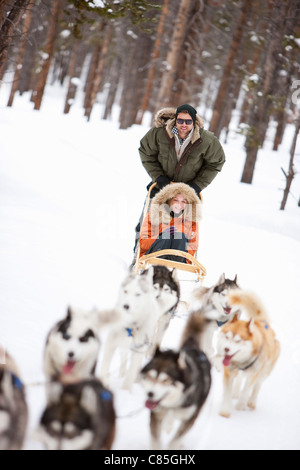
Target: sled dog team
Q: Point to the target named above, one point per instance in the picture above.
(227, 327)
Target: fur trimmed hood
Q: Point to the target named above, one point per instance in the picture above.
(166, 118)
(159, 209)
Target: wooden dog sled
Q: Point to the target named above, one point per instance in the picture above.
(142, 262)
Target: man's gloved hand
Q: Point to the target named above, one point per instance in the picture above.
(168, 233)
(195, 187)
(162, 181)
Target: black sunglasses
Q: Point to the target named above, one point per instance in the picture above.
(188, 122)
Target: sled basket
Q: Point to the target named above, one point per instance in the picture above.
(156, 257)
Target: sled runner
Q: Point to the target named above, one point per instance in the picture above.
(155, 258)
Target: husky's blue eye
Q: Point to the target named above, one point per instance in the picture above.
(66, 336)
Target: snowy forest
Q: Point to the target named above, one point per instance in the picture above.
(219, 55)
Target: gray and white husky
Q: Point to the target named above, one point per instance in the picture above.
(211, 302)
(79, 416)
(13, 405)
(177, 384)
(133, 335)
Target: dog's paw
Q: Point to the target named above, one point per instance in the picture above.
(252, 405)
(224, 414)
(225, 410)
(241, 406)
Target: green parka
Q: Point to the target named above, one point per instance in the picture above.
(205, 155)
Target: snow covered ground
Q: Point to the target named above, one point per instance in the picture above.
(71, 193)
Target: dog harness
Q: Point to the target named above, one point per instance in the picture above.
(266, 326)
(105, 395)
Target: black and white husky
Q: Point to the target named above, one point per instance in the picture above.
(13, 405)
(72, 347)
(177, 384)
(79, 416)
(73, 344)
(211, 302)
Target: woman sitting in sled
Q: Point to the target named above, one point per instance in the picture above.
(172, 222)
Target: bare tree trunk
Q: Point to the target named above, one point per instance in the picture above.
(8, 27)
(285, 82)
(2, 5)
(173, 57)
(219, 111)
(49, 51)
(155, 56)
(281, 122)
(21, 53)
(75, 69)
(98, 72)
(260, 115)
(91, 75)
(72, 86)
(291, 173)
(179, 94)
(113, 87)
(133, 73)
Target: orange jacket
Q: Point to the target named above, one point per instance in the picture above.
(150, 232)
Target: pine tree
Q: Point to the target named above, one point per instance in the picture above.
(8, 26)
(174, 55)
(21, 52)
(48, 54)
(219, 110)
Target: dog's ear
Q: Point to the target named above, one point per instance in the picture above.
(131, 269)
(251, 326)
(148, 274)
(221, 279)
(174, 275)
(69, 313)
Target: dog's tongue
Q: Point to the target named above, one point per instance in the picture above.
(227, 310)
(151, 405)
(68, 367)
(227, 360)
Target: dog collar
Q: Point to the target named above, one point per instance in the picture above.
(17, 382)
(249, 365)
(130, 332)
(265, 324)
(221, 323)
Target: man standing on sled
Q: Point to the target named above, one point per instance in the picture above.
(178, 149)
